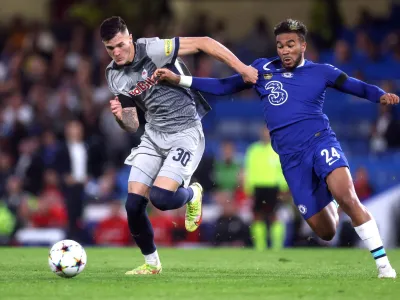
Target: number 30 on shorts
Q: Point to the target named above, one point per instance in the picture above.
(331, 156)
(182, 156)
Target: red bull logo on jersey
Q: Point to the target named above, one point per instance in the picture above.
(142, 86)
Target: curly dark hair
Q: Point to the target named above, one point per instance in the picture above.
(290, 25)
(111, 26)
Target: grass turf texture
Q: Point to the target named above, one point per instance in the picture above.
(202, 274)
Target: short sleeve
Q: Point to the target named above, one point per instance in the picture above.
(109, 78)
(163, 52)
(331, 74)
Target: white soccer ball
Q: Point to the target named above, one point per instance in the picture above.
(67, 258)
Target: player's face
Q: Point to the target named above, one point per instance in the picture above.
(120, 48)
(290, 48)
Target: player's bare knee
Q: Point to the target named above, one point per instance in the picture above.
(138, 189)
(327, 237)
(166, 183)
(328, 234)
(326, 229)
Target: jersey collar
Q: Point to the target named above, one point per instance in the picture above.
(135, 56)
(301, 64)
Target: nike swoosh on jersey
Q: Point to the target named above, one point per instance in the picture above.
(265, 66)
(330, 163)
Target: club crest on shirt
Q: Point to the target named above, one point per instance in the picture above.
(268, 76)
(144, 74)
(302, 209)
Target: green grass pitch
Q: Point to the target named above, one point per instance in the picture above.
(201, 274)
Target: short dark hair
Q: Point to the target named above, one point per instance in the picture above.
(290, 25)
(111, 26)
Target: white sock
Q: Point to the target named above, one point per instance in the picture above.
(194, 194)
(369, 233)
(152, 259)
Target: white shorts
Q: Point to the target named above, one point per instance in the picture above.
(172, 155)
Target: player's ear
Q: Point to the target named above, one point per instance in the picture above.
(303, 46)
(130, 38)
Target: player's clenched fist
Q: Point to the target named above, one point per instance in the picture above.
(249, 74)
(166, 75)
(116, 108)
(389, 99)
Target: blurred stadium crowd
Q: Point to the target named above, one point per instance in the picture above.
(55, 104)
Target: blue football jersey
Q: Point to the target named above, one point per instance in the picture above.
(293, 101)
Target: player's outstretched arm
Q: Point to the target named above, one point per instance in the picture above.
(127, 117)
(364, 90)
(191, 45)
(214, 86)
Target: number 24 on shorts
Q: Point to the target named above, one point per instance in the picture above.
(331, 157)
(182, 156)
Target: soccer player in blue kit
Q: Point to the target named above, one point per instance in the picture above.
(292, 92)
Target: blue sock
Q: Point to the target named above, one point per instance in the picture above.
(139, 223)
(166, 200)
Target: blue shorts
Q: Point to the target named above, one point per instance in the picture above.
(306, 171)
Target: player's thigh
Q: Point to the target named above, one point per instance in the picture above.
(187, 148)
(341, 186)
(138, 188)
(167, 183)
(325, 222)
